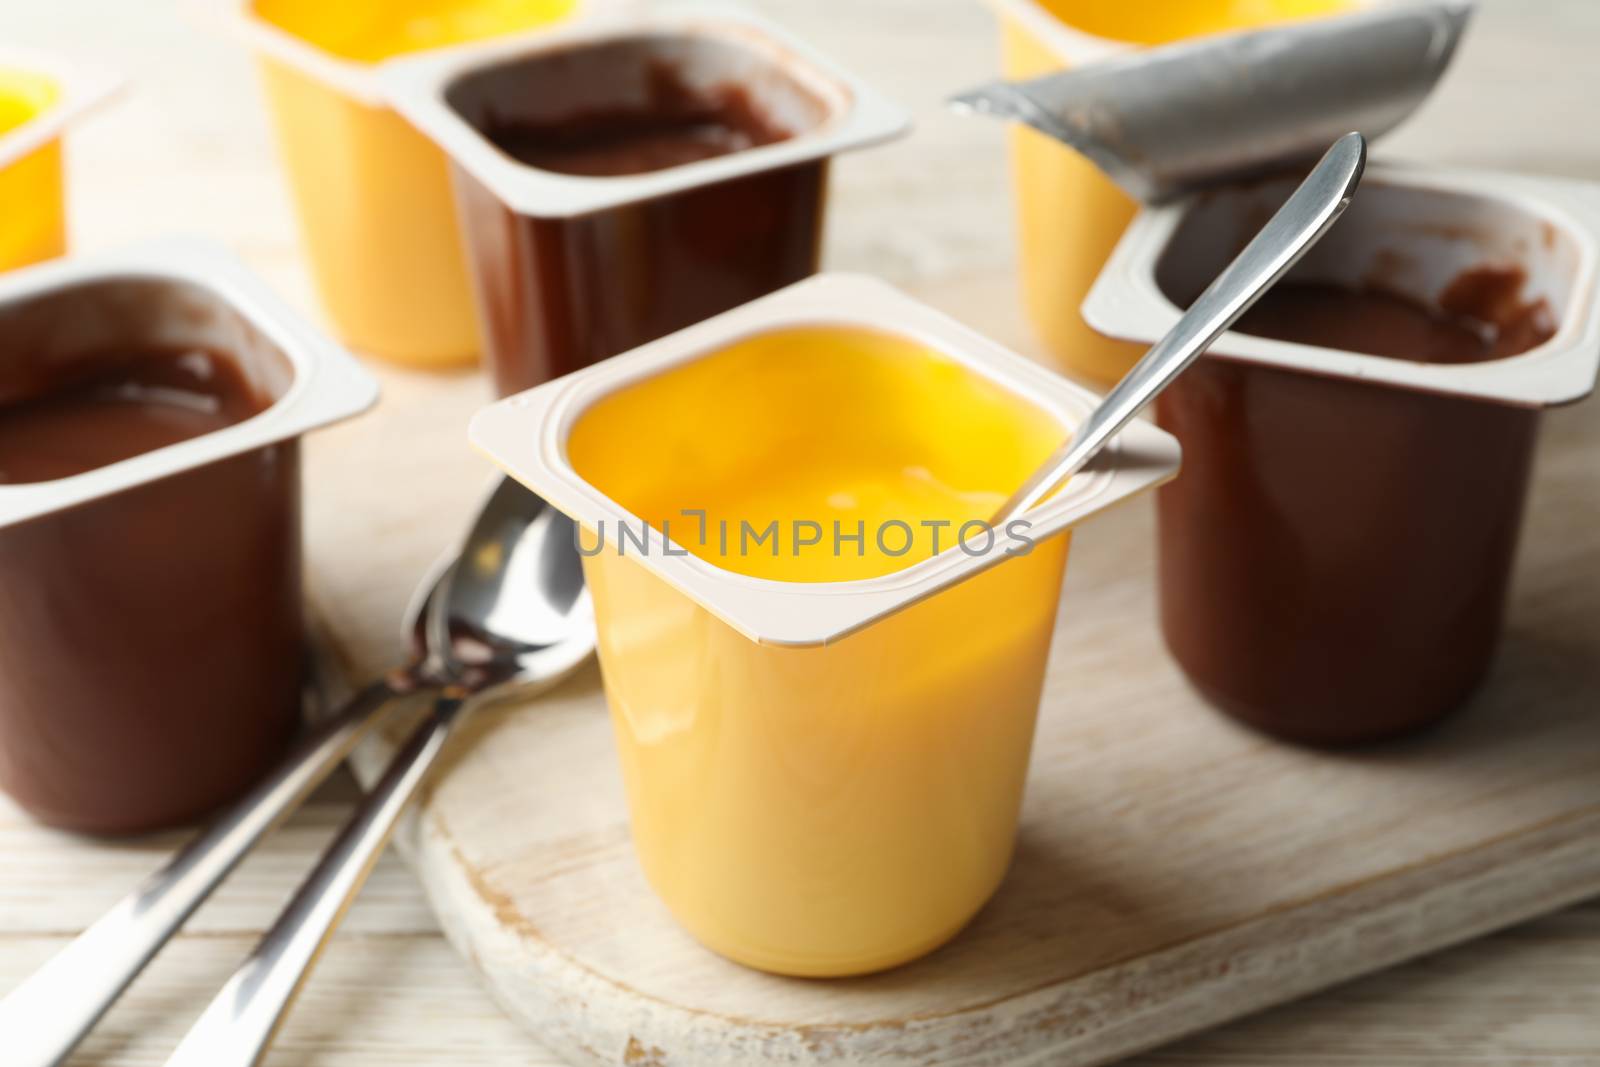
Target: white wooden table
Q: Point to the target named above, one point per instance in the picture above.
(188, 152)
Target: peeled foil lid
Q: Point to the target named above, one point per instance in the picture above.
(1165, 121)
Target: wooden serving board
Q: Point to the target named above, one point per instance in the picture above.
(1173, 870)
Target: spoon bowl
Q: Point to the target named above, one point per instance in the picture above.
(514, 603)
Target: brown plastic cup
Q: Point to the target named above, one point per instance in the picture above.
(1336, 555)
(151, 633)
(571, 267)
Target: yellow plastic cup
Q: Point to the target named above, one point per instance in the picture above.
(39, 97)
(376, 212)
(824, 748)
(32, 180)
(1069, 214)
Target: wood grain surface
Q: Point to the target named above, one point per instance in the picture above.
(188, 152)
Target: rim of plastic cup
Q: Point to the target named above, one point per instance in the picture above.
(526, 435)
(1126, 302)
(83, 87)
(416, 87)
(329, 385)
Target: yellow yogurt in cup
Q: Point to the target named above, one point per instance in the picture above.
(368, 31)
(828, 424)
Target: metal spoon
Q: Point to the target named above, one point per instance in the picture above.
(1298, 224)
(45, 1017)
(513, 618)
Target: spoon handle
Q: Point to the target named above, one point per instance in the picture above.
(239, 1024)
(1298, 225)
(49, 1013)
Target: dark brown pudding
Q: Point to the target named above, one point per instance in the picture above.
(677, 125)
(126, 404)
(1480, 317)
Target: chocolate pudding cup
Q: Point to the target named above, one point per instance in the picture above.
(151, 632)
(1335, 558)
(618, 182)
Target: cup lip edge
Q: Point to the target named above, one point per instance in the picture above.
(1125, 301)
(83, 87)
(329, 385)
(794, 614)
(415, 86)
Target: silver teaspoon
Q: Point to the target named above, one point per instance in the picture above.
(514, 617)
